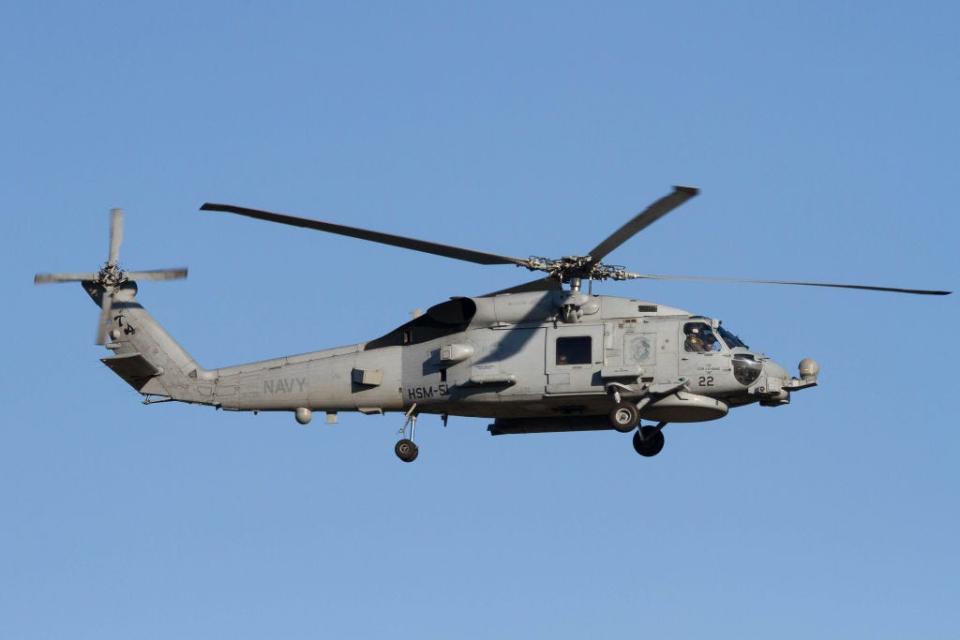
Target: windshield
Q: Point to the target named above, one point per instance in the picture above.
(732, 341)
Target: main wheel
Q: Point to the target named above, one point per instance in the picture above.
(406, 450)
(648, 441)
(624, 417)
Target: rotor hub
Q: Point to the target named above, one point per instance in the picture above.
(571, 268)
(111, 275)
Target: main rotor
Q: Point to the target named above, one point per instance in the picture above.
(570, 270)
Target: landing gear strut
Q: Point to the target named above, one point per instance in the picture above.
(648, 441)
(405, 448)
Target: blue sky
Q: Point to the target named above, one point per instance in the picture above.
(824, 139)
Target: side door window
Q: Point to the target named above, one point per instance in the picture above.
(699, 337)
(574, 350)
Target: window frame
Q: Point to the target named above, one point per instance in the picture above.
(567, 340)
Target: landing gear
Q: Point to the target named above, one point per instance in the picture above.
(405, 448)
(648, 441)
(625, 417)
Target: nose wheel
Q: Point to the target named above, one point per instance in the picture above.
(648, 441)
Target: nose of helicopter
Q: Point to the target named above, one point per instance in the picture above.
(774, 370)
(777, 383)
(774, 385)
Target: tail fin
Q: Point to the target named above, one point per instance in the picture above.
(145, 355)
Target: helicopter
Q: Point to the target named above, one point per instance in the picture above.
(540, 357)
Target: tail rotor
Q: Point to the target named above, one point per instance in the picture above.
(110, 276)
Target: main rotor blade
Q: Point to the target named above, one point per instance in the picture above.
(116, 235)
(542, 284)
(832, 285)
(157, 274)
(47, 278)
(642, 220)
(425, 246)
(103, 324)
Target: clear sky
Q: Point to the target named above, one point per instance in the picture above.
(824, 137)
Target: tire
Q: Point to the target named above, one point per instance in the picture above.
(648, 441)
(624, 417)
(406, 450)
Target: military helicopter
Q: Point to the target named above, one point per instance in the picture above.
(543, 356)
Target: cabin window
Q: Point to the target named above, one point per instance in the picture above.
(574, 350)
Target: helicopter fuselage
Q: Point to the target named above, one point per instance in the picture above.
(514, 358)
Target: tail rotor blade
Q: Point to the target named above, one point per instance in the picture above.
(158, 274)
(47, 278)
(103, 325)
(116, 235)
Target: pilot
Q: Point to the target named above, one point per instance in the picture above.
(710, 342)
(694, 342)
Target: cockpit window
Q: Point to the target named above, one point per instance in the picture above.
(700, 338)
(732, 341)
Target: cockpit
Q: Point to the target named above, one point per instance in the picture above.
(701, 336)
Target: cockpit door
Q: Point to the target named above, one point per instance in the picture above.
(701, 353)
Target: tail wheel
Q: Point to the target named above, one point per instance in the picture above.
(648, 441)
(624, 417)
(406, 450)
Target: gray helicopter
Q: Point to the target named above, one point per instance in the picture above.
(541, 357)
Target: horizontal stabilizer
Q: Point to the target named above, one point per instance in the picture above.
(133, 368)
